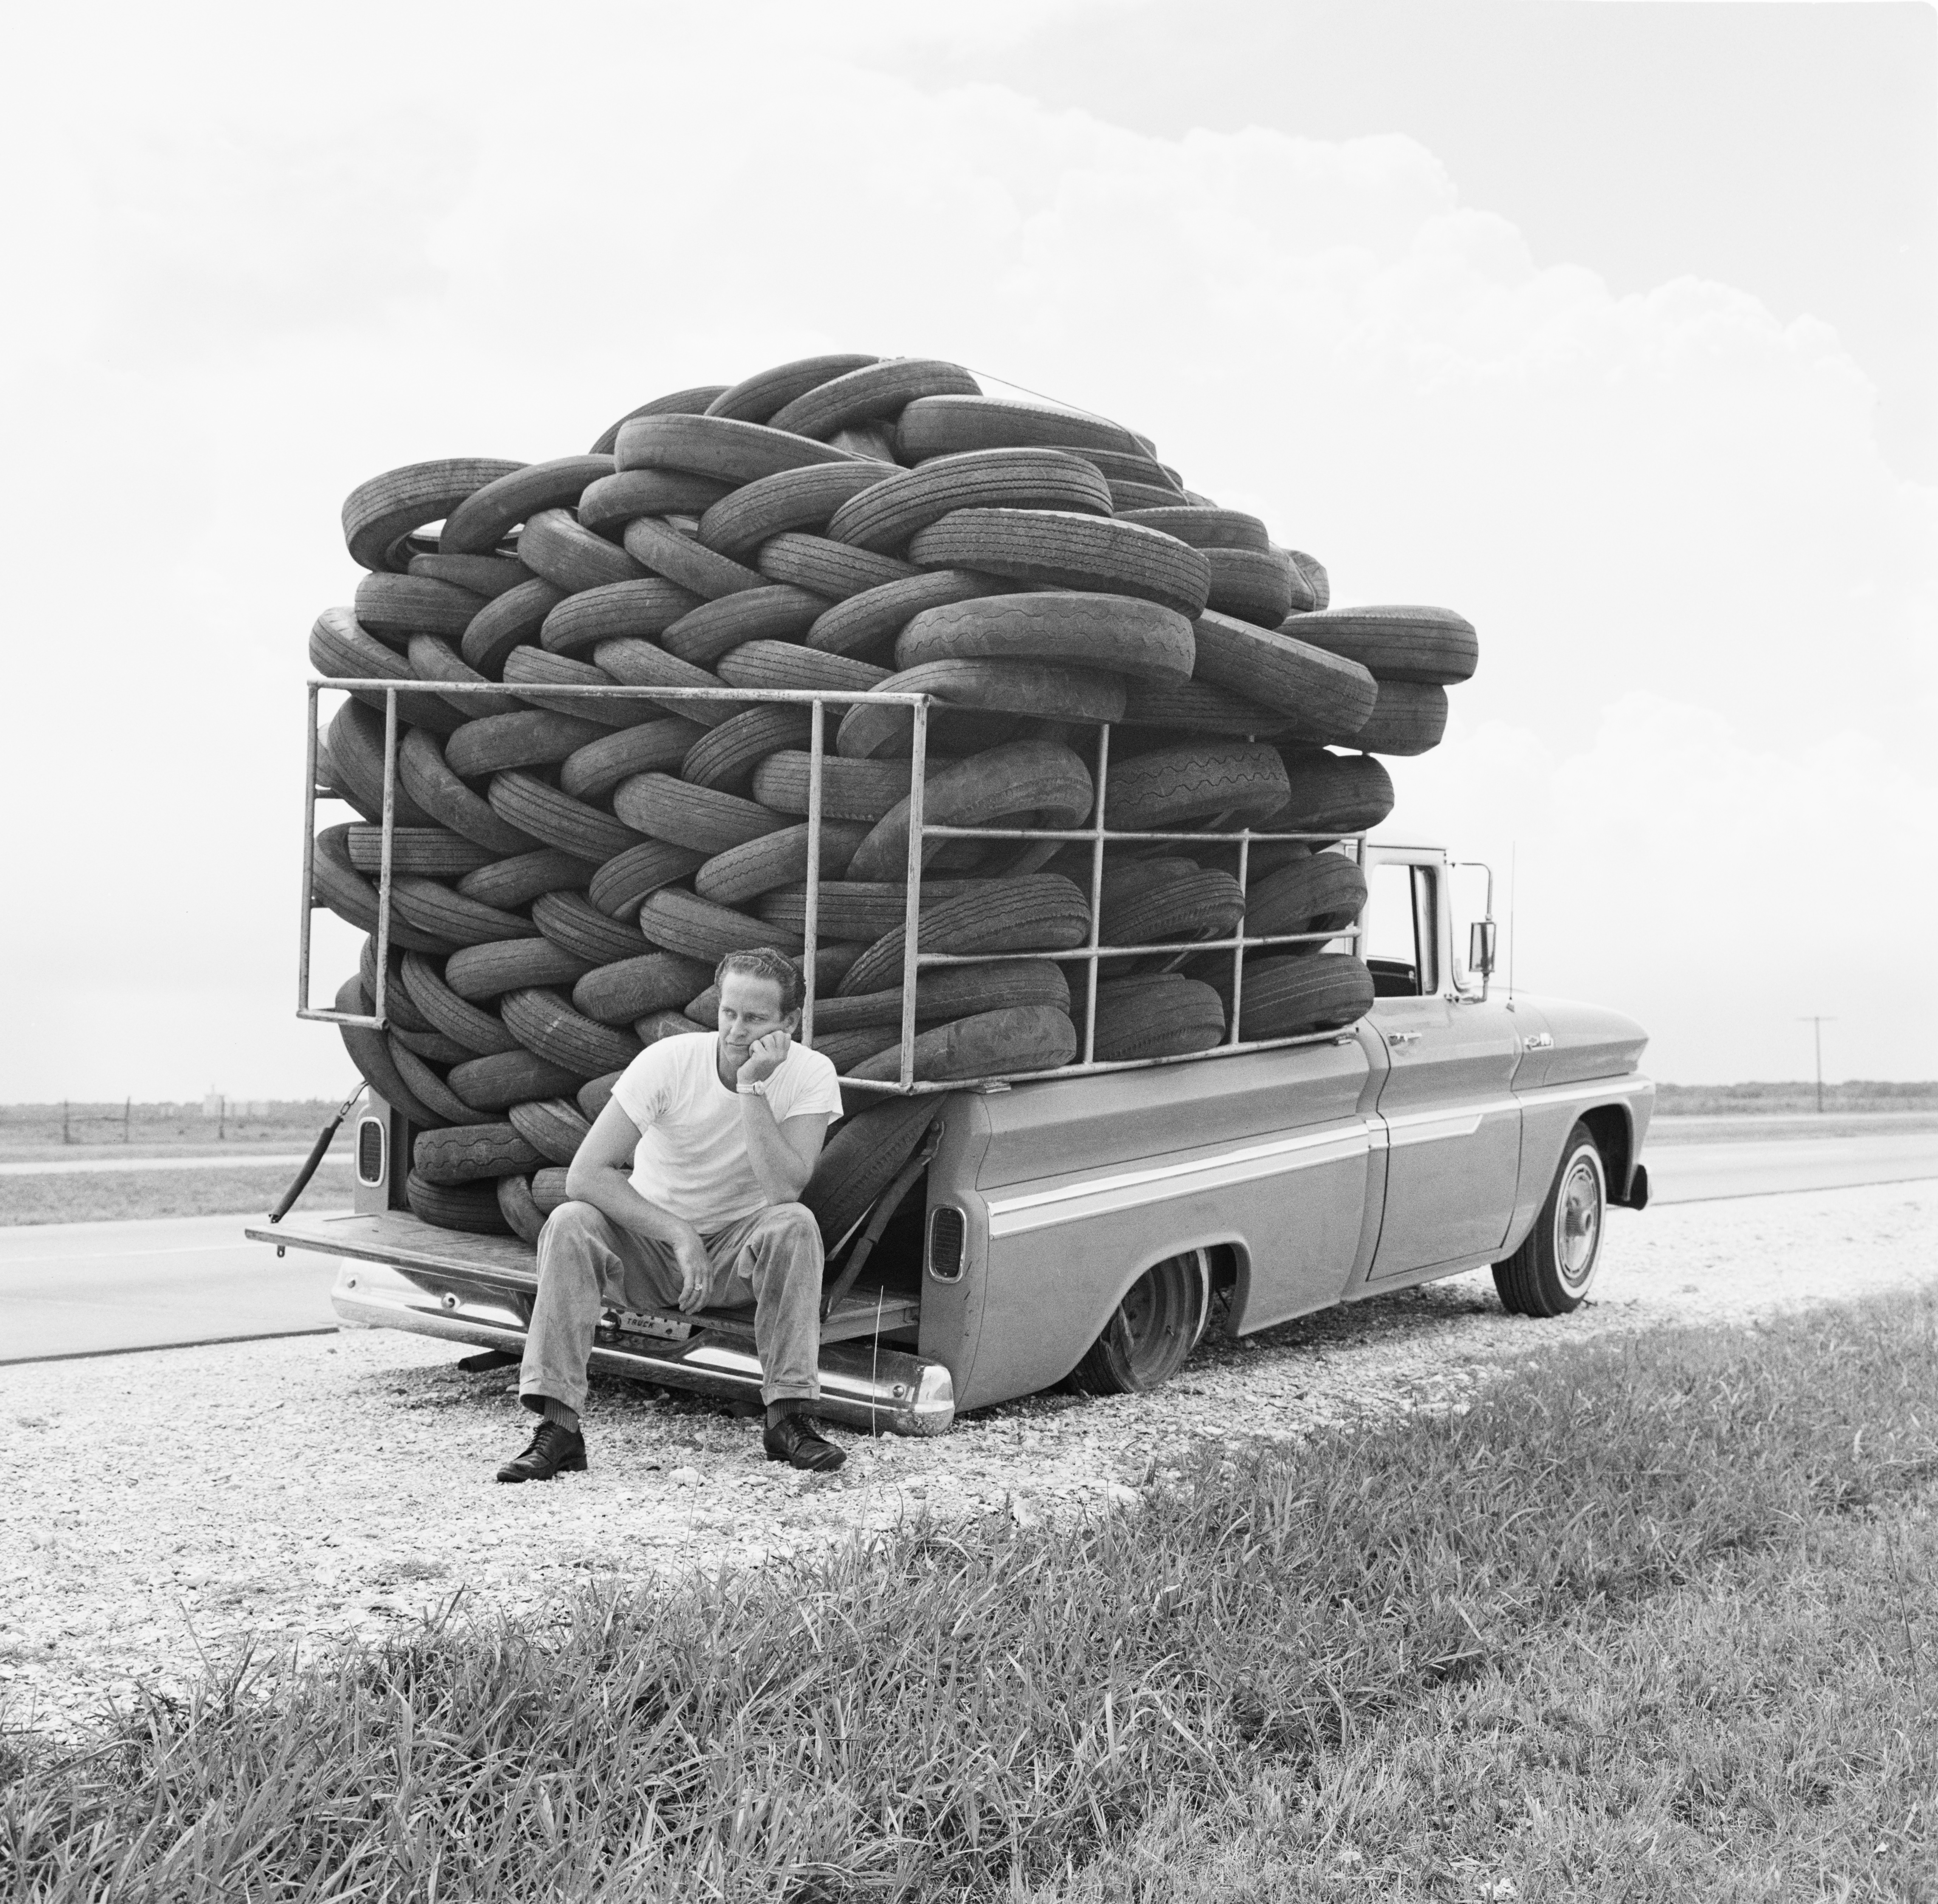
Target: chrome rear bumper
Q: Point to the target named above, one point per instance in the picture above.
(864, 1385)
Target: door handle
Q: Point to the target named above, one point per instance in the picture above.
(1539, 1041)
(1402, 1038)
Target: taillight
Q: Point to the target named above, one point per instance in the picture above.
(945, 1232)
(370, 1150)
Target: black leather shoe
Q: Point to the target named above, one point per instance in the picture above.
(793, 1439)
(554, 1450)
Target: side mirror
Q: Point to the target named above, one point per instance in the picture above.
(1481, 947)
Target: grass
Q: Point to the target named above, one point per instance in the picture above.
(107, 1196)
(1654, 1619)
(1855, 1094)
(62, 1129)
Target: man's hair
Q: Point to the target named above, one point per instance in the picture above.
(764, 962)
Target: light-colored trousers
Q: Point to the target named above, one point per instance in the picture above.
(772, 1260)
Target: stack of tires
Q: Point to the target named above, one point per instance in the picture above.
(567, 869)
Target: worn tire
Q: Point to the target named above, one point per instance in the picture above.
(868, 624)
(1162, 901)
(646, 608)
(641, 665)
(1254, 586)
(622, 884)
(1286, 997)
(1206, 528)
(1021, 1039)
(879, 390)
(594, 770)
(340, 649)
(725, 447)
(512, 620)
(697, 928)
(552, 1126)
(572, 826)
(856, 909)
(715, 628)
(827, 568)
(1553, 1270)
(850, 790)
(1066, 550)
(744, 872)
(571, 921)
(429, 852)
(656, 545)
(1119, 633)
(771, 664)
(497, 1083)
(517, 1206)
(1156, 1014)
(427, 906)
(615, 501)
(1408, 718)
(1155, 792)
(807, 498)
(379, 515)
(337, 885)
(544, 1021)
(1039, 690)
(356, 742)
(725, 758)
(952, 425)
(468, 1153)
(1331, 792)
(370, 1051)
(1197, 707)
(661, 807)
(1311, 587)
(531, 737)
(1432, 646)
(887, 516)
(536, 672)
(557, 548)
(1324, 893)
(758, 398)
(1319, 689)
(429, 1088)
(950, 992)
(403, 1015)
(479, 1032)
(470, 1207)
(433, 658)
(629, 989)
(487, 576)
(862, 1157)
(1037, 912)
(518, 880)
(692, 402)
(480, 972)
(487, 515)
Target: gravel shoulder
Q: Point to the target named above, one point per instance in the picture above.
(178, 1506)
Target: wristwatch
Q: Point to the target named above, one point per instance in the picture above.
(758, 1090)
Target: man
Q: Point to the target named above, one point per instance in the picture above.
(686, 1191)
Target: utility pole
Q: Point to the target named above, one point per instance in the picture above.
(1817, 1025)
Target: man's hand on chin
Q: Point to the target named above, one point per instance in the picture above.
(764, 1057)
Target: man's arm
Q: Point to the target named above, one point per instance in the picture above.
(783, 1155)
(600, 1174)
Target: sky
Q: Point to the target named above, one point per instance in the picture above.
(1607, 324)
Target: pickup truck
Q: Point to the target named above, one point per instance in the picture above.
(1090, 1225)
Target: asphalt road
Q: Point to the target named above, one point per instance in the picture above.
(95, 1288)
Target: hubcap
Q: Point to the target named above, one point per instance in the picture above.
(1578, 1224)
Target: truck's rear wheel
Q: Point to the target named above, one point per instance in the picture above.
(1551, 1272)
(1151, 1331)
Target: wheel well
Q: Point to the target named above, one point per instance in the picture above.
(1608, 1125)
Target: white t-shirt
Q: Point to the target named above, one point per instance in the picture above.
(692, 1158)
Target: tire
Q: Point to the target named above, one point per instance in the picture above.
(828, 568)
(1127, 498)
(855, 909)
(661, 807)
(951, 992)
(1160, 901)
(862, 1156)
(380, 515)
(1311, 587)
(726, 758)
(845, 1049)
(831, 965)
(850, 790)
(629, 989)
(867, 624)
(809, 499)
(467, 1153)
(433, 658)
(1119, 633)
(592, 1097)
(517, 881)
(512, 620)
(1069, 551)
(1552, 1271)
(482, 1034)
(1323, 893)
(370, 1051)
(1197, 707)
(427, 907)
(646, 608)
(887, 516)
(678, 402)
(640, 665)
(337, 885)
(429, 1088)
(531, 737)
(487, 516)
(1280, 672)
(1039, 912)
(883, 389)
(697, 928)
(522, 1215)
(472, 1207)
(496, 1083)
(1027, 782)
(1120, 467)
(556, 548)
(1430, 647)
(1206, 528)
(578, 926)
(487, 576)
(654, 746)
(1023, 1039)
(1254, 585)
(553, 1127)
(623, 882)
(1156, 1014)
(571, 825)
(615, 501)
(431, 1046)
(533, 670)
(423, 773)
(356, 744)
(1332, 792)
(480, 972)
(431, 852)
(770, 664)
(403, 1015)
(340, 650)
(1408, 718)
(724, 447)
(745, 872)
(1041, 690)
(756, 399)
(1152, 1332)
(1163, 789)
(652, 1026)
(1287, 997)
(949, 425)
(653, 542)
(718, 627)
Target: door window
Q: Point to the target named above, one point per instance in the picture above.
(1401, 931)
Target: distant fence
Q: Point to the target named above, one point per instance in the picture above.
(136, 1121)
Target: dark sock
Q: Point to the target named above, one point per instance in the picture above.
(557, 1411)
(778, 1411)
